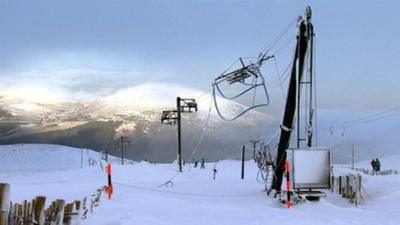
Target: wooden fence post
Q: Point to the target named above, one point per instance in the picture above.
(35, 213)
(68, 214)
(78, 212)
(4, 203)
(17, 211)
(39, 215)
(59, 212)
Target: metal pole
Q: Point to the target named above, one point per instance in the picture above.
(243, 149)
(352, 157)
(81, 158)
(178, 106)
(106, 154)
(311, 37)
(297, 105)
(122, 150)
(287, 168)
(110, 186)
(254, 150)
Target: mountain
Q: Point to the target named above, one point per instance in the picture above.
(41, 117)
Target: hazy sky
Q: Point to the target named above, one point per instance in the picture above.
(101, 46)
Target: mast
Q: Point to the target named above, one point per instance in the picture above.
(311, 109)
(293, 98)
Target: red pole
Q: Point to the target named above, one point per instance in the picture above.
(287, 169)
(109, 187)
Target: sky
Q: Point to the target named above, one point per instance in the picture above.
(98, 47)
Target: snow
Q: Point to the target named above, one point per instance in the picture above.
(39, 157)
(140, 99)
(194, 198)
(143, 102)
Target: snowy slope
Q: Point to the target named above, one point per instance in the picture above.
(36, 157)
(46, 158)
(195, 197)
(378, 191)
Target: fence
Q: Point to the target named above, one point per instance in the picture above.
(382, 172)
(34, 212)
(348, 187)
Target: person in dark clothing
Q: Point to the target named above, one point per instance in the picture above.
(377, 166)
(203, 164)
(214, 173)
(195, 163)
(373, 164)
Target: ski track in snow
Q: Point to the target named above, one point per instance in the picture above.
(195, 198)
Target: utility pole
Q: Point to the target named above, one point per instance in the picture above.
(172, 117)
(81, 157)
(254, 142)
(178, 106)
(243, 155)
(122, 142)
(122, 150)
(106, 154)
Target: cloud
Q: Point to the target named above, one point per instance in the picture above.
(73, 84)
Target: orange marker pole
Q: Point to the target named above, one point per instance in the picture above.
(287, 169)
(109, 187)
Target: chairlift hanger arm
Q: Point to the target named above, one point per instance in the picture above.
(244, 72)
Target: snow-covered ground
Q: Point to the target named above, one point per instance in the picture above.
(194, 198)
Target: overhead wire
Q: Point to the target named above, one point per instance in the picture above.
(202, 95)
(205, 129)
(284, 45)
(365, 119)
(372, 120)
(274, 41)
(279, 78)
(283, 76)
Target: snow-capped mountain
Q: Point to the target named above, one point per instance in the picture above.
(133, 112)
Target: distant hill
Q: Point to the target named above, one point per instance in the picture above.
(135, 113)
